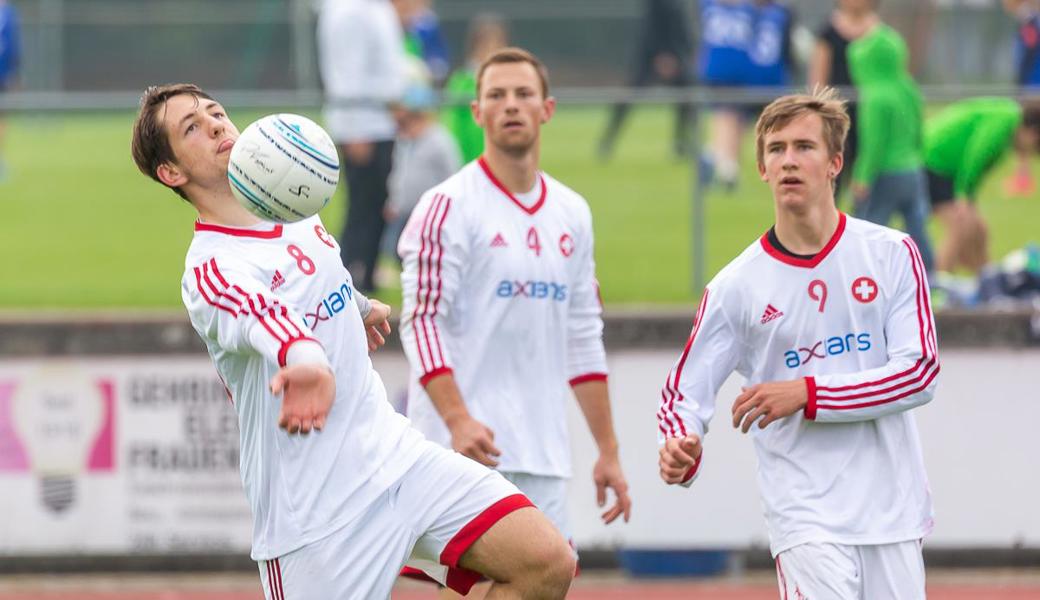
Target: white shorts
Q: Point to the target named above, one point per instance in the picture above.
(816, 571)
(548, 493)
(428, 519)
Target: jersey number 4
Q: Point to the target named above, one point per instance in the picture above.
(533, 242)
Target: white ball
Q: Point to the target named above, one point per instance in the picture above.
(283, 168)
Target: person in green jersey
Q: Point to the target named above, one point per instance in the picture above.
(487, 33)
(962, 143)
(888, 176)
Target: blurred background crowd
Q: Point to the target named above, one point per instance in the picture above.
(396, 77)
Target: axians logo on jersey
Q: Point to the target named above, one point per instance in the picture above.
(331, 305)
(532, 289)
(831, 346)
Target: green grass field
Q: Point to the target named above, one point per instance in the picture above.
(83, 229)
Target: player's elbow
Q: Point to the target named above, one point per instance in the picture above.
(925, 395)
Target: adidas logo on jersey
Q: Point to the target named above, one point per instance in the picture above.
(277, 281)
(770, 314)
(499, 241)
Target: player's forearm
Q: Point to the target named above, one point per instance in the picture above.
(447, 399)
(871, 394)
(594, 401)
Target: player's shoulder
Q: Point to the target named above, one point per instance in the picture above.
(459, 187)
(569, 200)
(741, 271)
(216, 251)
(879, 236)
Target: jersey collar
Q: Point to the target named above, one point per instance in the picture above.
(498, 184)
(266, 231)
(807, 263)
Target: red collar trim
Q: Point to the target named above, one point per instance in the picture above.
(498, 184)
(802, 262)
(274, 232)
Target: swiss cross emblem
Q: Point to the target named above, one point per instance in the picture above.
(566, 245)
(864, 289)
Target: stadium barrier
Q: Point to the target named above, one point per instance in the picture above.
(118, 448)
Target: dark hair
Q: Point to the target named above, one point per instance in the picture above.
(515, 55)
(150, 145)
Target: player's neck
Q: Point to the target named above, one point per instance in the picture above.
(808, 231)
(518, 173)
(221, 209)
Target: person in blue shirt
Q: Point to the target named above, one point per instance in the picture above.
(743, 43)
(10, 47)
(424, 30)
(1027, 75)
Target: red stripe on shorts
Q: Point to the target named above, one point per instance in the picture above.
(459, 579)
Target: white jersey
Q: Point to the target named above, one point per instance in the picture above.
(856, 322)
(251, 294)
(504, 296)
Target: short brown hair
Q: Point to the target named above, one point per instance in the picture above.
(150, 145)
(823, 101)
(515, 55)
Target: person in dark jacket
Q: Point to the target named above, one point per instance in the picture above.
(662, 55)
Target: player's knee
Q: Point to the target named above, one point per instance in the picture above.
(551, 568)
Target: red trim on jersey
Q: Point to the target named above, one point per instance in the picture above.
(925, 368)
(434, 374)
(274, 232)
(537, 205)
(440, 284)
(693, 470)
(479, 525)
(587, 377)
(671, 388)
(810, 406)
(780, 573)
(802, 262)
(283, 353)
(211, 301)
(422, 315)
(267, 314)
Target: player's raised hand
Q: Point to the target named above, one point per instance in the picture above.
(472, 438)
(607, 474)
(307, 392)
(770, 401)
(677, 456)
(377, 324)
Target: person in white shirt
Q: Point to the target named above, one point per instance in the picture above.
(501, 311)
(343, 491)
(361, 56)
(829, 321)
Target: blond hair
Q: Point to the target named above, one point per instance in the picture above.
(822, 101)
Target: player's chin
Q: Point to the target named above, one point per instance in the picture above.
(791, 196)
(515, 144)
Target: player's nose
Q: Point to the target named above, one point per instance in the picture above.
(216, 126)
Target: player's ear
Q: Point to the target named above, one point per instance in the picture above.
(837, 162)
(474, 109)
(548, 109)
(171, 175)
(762, 171)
